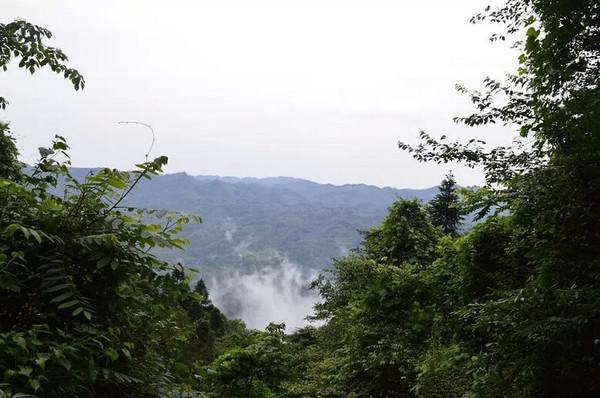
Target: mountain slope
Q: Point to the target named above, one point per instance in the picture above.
(255, 222)
(250, 223)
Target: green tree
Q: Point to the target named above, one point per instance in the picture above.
(208, 324)
(406, 235)
(87, 309)
(255, 368)
(544, 318)
(511, 307)
(25, 41)
(444, 208)
(378, 308)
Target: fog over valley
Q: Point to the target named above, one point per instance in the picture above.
(263, 240)
(269, 294)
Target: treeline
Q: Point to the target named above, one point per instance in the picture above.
(510, 308)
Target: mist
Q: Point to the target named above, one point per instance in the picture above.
(269, 294)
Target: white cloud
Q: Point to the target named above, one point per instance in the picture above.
(271, 294)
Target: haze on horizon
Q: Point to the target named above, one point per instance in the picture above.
(321, 90)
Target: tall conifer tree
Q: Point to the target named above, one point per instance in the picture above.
(444, 207)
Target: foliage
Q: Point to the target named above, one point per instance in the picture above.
(91, 311)
(377, 306)
(87, 309)
(208, 324)
(10, 167)
(254, 367)
(509, 309)
(406, 235)
(512, 307)
(25, 41)
(444, 208)
(532, 277)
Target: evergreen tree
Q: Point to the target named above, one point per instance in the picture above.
(202, 290)
(444, 208)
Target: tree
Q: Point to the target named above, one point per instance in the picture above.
(406, 235)
(444, 208)
(376, 303)
(254, 369)
(208, 324)
(87, 310)
(544, 321)
(91, 311)
(25, 41)
(511, 307)
(202, 290)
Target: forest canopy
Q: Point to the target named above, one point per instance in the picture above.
(509, 308)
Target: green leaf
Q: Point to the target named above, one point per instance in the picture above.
(77, 311)
(62, 297)
(36, 235)
(25, 232)
(57, 287)
(126, 352)
(25, 371)
(111, 353)
(68, 304)
(20, 341)
(41, 361)
(35, 384)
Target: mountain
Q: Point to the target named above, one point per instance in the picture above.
(263, 240)
(250, 223)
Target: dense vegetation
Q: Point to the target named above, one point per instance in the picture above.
(510, 308)
(86, 309)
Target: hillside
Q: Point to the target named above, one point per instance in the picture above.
(251, 222)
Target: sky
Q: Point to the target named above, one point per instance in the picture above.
(321, 90)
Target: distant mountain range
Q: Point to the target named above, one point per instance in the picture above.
(249, 223)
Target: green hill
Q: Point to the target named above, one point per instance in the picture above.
(250, 222)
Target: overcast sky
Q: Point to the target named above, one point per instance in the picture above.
(321, 90)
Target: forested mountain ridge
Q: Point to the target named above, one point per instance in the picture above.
(257, 222)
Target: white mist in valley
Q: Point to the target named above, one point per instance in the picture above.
(270, 294)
